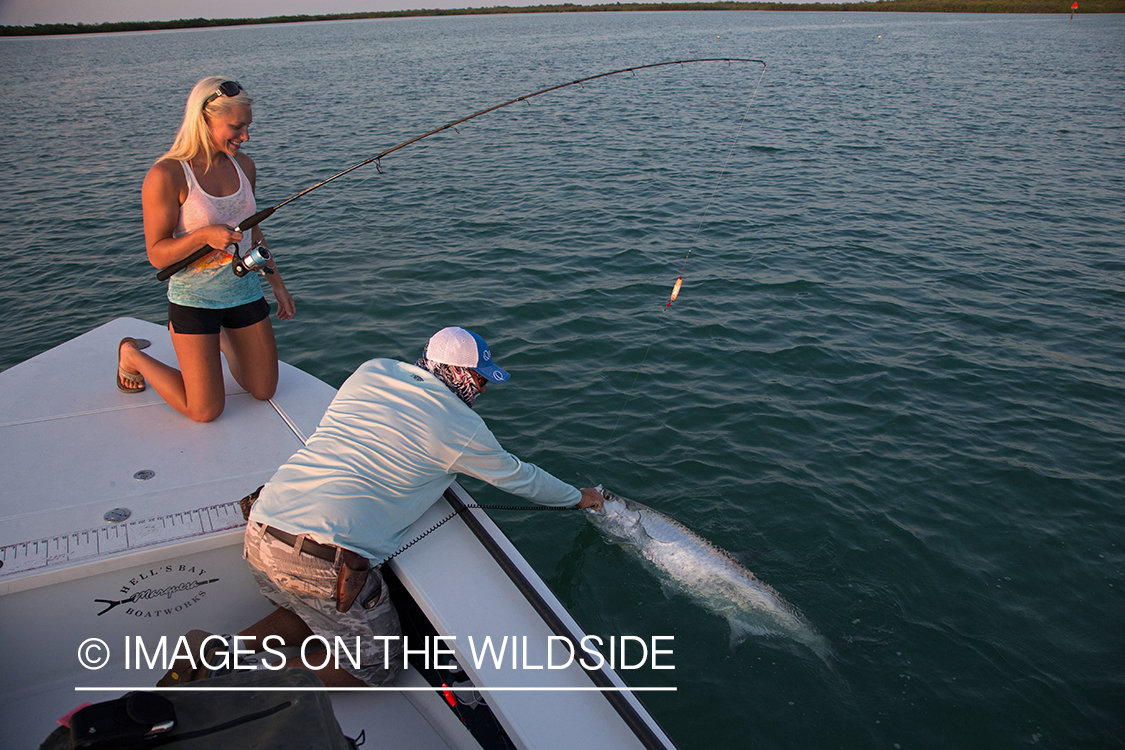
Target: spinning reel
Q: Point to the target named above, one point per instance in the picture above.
(255, 261)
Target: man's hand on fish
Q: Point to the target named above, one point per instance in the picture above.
(591, 498)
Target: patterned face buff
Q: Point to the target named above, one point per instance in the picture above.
(459, 379)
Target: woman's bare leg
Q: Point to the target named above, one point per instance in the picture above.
(195, 390)
(251, 354)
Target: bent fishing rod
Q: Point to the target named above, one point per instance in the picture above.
(259, 255)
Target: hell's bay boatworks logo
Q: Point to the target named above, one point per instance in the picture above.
(160, 591)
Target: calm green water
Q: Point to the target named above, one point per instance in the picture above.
(894, 370)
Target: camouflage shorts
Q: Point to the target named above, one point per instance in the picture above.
(306, 586)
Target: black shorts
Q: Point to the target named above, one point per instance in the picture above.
(200, 320)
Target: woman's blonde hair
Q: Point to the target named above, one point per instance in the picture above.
(194, 137)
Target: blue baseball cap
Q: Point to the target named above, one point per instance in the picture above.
(463, 348)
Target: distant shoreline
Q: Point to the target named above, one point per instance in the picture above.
(1086, 7)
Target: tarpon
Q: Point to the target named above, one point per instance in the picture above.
(691, 565)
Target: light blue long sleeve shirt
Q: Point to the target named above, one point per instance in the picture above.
(391, 442)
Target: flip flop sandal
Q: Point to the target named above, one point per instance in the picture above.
(129, 382)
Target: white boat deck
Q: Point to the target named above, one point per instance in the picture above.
(72, 448)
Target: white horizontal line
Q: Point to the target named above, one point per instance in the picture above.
(259, 689)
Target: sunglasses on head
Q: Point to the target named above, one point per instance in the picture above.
(226, 88)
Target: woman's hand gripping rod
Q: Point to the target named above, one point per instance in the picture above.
(244, 226)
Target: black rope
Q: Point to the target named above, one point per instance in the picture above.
(247, 503)
(462, 509)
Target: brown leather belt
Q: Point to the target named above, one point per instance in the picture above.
(310, 547)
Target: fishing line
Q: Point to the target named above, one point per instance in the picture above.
(691, 244)
(715, 190)
(257, 218)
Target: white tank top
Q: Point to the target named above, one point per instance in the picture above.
(209, 282)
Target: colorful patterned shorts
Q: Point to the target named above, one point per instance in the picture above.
(306, 586)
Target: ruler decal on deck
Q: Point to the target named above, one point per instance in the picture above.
(127, 536)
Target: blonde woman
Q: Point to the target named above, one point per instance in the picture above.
(192, 197)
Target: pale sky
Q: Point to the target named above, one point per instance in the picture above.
(30, 12)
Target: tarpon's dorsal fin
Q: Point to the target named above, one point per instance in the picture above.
(747, 557)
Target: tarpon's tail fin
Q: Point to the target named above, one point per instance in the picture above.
(822, 647)
(741, 631)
